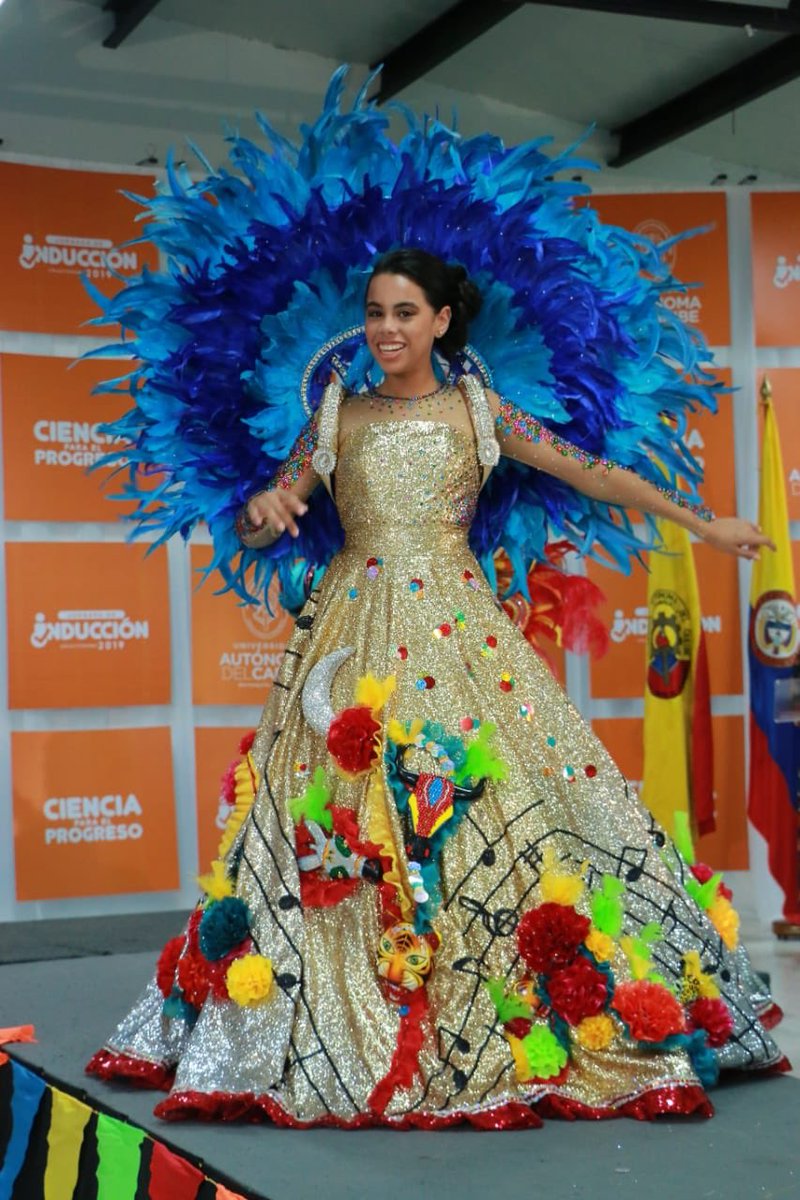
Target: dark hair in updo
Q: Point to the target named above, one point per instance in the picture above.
(444, 284)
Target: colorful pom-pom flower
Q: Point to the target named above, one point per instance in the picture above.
(601, 946)
(649, 1010)
(578, 991)
(596, 1033)
(168, 963)
(249, 980)
(194, 978)
(549, 936)
(224, 926)
(715, 1018)
(725, 919)
(545, 1056)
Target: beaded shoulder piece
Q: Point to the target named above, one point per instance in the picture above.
(487, 444)
(324, 457)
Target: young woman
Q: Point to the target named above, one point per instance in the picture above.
(445, 903)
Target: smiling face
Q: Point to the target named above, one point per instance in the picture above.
(401, 326)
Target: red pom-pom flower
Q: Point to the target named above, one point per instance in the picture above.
(548, 936)
(714, 1017)
(650, 1011)
(351, 739)
(217, 972)
(168, 964)
(578, 991)
(193, 978)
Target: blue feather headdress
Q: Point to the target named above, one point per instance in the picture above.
(262, 297)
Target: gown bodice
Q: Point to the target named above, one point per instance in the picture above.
(402, 481)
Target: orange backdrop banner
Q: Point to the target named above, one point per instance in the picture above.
(214, 750)
(88, 625)
(621, 672)
(726, 848)
(94, 813)
(785, 383)
(56, 225)
(236, 649)
(702, 259)
(52, 436)
(775, 218)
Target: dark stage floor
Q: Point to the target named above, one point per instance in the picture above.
(749, 1150)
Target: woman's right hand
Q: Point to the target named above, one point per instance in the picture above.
(275, 511)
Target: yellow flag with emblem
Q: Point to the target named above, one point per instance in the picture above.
(678, 754)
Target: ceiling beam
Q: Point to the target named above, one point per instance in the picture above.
(440, 40)
(768, 18)
(731, 89)
(127, 15)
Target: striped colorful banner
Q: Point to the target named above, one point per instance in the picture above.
(55, 1146)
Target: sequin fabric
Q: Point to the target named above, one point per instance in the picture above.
(313, 1053)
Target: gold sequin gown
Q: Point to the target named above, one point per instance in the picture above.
(317, 1049)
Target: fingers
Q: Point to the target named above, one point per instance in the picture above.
(278, 511)
(291, 505)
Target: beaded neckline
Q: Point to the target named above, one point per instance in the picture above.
(437, 391)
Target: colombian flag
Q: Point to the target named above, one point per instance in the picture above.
(678, 753)
(772, 650)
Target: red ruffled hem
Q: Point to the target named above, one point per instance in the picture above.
(225, 1106)
(772, 1016)
(687, 1101)
(108, 1065)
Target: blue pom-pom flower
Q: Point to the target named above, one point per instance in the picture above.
(224, 926)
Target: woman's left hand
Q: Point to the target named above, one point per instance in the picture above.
(735, 536)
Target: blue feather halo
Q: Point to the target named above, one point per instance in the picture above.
(263, 295)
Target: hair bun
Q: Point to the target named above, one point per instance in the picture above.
(469, 295)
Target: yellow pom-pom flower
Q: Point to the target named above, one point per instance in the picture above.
(249, 980)
(601, 945)
(596, 1033)
(725, 919)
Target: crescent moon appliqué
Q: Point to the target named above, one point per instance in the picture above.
(316, 697)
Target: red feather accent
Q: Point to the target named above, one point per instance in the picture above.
(561, 606)
(405, 1060)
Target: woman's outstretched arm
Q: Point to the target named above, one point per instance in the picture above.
(276, 508)
(524, 438)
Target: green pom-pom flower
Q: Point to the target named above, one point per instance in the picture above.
(544, 1052)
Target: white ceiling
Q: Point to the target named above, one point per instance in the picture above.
(192, 65)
